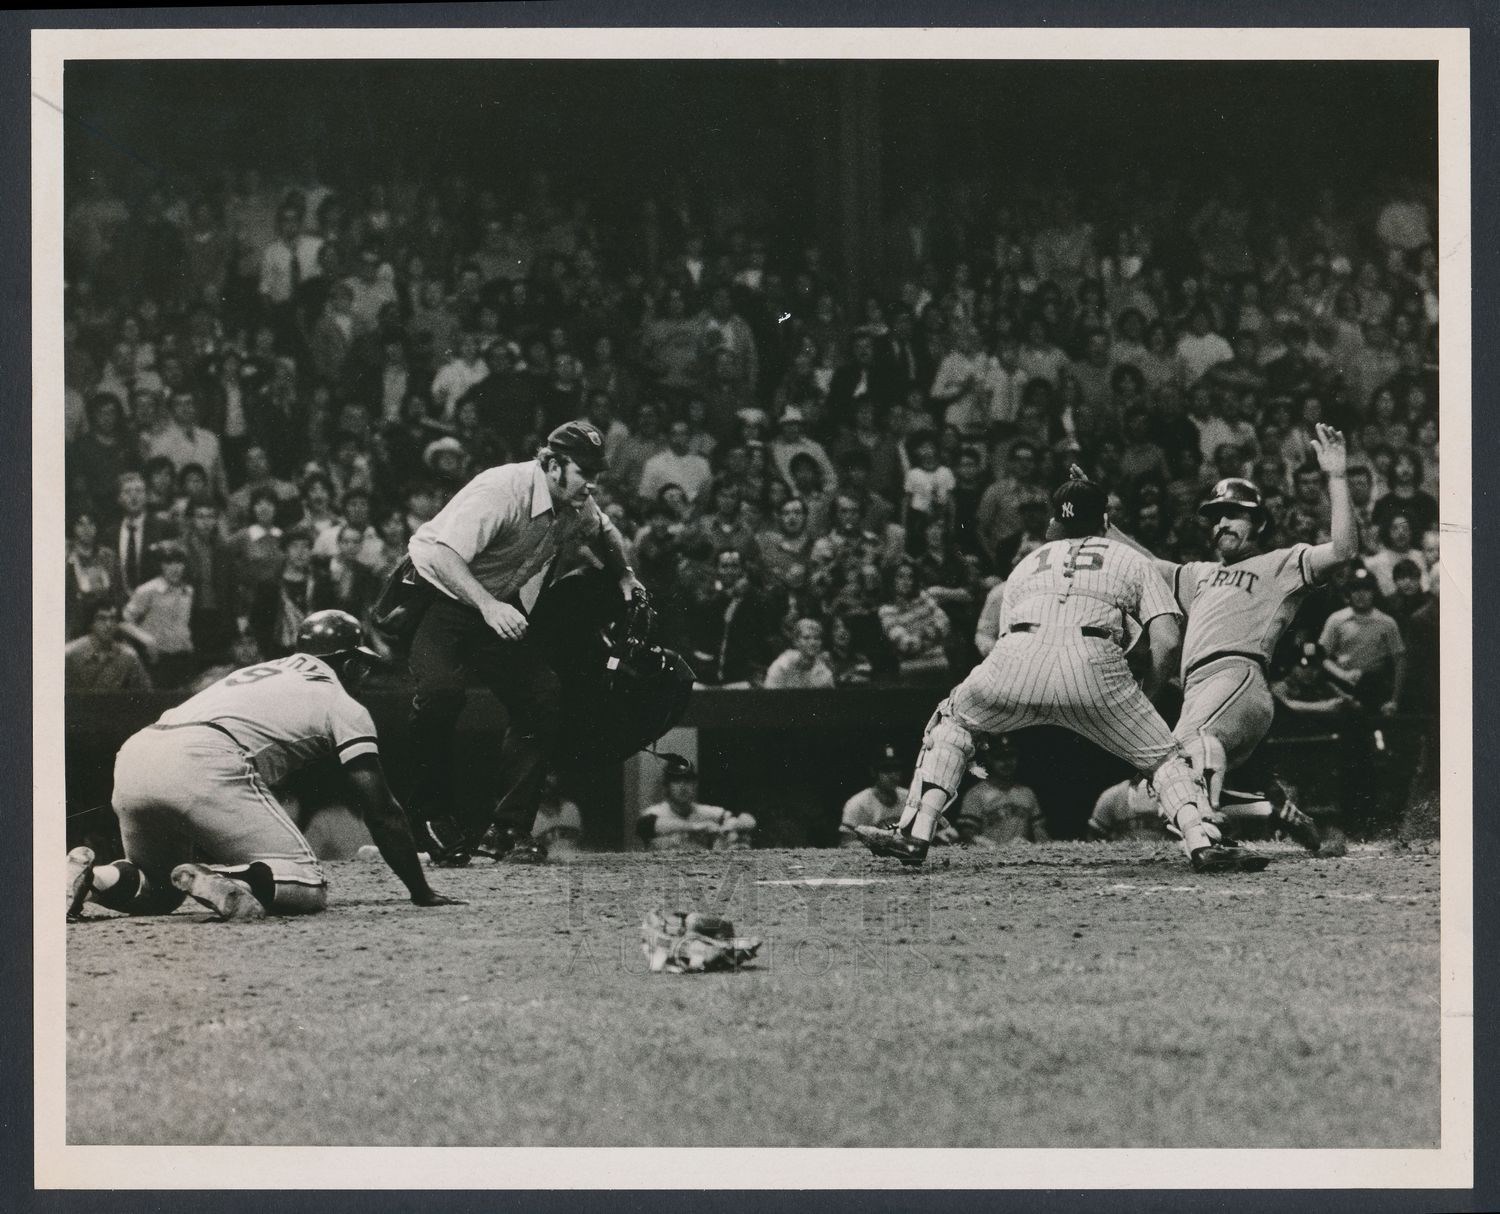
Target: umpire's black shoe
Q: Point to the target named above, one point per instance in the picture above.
(1290, 820)
(510, 845)
(443, 842)
(893, 842)
(1221, 859)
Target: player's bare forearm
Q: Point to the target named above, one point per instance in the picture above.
(387, 824)
(1343, 527)
(439, 563)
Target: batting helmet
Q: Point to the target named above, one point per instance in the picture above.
(327, 633)
(1236, 491)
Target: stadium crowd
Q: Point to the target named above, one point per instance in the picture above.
(270, 384)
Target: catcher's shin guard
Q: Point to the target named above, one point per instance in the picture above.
(1206, 753)
(1182, 798)
(947, 751)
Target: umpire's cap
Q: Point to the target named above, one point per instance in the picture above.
(1235, 491)
(678, 768)
(325, 634)
(1079, 505)
(583, 444)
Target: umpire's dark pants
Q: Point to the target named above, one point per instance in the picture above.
(451, 645)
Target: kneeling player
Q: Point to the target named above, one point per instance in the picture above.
(197, 786)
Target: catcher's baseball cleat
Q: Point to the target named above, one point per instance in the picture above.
(893, 843)
(227, 899)
(80, 880)
(1220, 859)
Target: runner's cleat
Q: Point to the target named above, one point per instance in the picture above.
(227, 899)
(893, 843)
(1219, 859)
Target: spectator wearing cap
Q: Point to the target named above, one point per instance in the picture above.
(680, 822)
(481, 561)
(159, 617)
(792, 440)
(99, 660)
(805, 665)
(1362, 647)
(999, 810)
(879, 802)
(676, 465)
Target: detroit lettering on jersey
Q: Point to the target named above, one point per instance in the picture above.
(1092, 582)
(285, 713)
(1240, 608)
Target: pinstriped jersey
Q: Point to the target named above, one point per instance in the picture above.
(285, 713)
(1090, 582)
(1240, 608)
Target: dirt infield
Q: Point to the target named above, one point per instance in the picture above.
(1066, 995)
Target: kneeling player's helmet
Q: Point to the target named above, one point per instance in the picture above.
(1236, 491)
(327, 633)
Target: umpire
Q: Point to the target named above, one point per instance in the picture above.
(510, 526)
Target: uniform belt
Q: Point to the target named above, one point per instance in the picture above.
(202, 725)
(1225, 653)
(1088, 630)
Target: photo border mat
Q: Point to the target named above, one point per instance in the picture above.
(59, 1165)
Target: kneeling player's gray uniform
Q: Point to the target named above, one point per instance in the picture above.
(1065, 613)
(197, 784)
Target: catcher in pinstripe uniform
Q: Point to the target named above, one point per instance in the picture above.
(1065, 613)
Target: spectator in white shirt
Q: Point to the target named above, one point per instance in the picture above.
(1201, 348)
(677, 465)
(804, 666)
(184, 442)
(458, 375)
(959, 385)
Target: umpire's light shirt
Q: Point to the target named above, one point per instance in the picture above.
(506, 527)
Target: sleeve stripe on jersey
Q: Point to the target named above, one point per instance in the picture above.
(1302, 568)
(370, 738)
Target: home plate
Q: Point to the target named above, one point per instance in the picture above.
(826, 881)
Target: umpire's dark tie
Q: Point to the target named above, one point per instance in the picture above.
(132, 553)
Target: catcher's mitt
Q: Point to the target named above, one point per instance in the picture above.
(677, 943)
